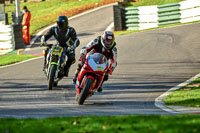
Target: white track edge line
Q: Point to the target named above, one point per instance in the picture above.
(109, 28)
(159, 100)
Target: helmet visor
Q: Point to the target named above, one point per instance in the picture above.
(62, 24)
(108, 42)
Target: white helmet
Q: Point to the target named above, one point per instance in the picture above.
(107, 39)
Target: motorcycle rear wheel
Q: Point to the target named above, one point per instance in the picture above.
(85, 90)
(51, 76)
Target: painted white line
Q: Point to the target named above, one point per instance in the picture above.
(109, 28)
(159, 100)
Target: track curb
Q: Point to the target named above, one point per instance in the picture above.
(176, 109)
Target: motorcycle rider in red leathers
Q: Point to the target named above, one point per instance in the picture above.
(104, 44)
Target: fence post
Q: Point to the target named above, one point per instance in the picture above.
(118, 18)
(6, 18)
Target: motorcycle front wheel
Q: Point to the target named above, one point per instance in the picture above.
(85, 90)
(51, 77)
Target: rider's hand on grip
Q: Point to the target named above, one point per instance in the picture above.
(82, 57)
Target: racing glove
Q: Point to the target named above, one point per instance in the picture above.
(82, 58)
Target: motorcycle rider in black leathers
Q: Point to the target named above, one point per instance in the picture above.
(104, 44)
(66, 37)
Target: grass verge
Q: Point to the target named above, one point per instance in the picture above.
(46, 12)
(10, 59)
(186, 96)
(104, 124)
(152, 2)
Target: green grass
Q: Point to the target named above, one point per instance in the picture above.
(46, 12)
(104, 124)
(186, 96)
(196, 81)
(10, 59)
(152, 2)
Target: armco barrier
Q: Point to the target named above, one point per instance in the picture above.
(145, 17)
(7, 42)
(137, 18)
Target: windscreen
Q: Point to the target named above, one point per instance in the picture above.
(99, 58)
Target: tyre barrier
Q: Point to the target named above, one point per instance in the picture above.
(10, 38)
(145, 17)
(7, 42)
(19, 41)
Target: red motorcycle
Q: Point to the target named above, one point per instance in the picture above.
(91, 76)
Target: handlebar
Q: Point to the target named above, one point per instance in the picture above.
(68, 49)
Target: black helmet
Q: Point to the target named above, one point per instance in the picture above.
(62, 22)
(107, 39)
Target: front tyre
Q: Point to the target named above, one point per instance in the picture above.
(85, 90)
(51, 77)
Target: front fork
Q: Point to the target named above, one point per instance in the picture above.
(57, 69)
(49, 67)
(83, 82)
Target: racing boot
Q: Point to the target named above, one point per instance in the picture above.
(75, 76)
(100, 89)
(66, 72)
(44, 67)
(78, 69)
(45, 59)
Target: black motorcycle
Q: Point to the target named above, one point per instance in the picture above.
(55, 63)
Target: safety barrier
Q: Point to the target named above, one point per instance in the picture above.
(145, 17)
(7, 42)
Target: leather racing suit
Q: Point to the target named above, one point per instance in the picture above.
(65, 38)
(96, 46)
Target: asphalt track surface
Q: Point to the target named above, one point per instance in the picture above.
(149, 64)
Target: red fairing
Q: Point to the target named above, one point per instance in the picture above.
(87, 72)
(87, 69)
